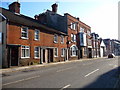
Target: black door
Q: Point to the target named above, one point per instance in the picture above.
(14, 56)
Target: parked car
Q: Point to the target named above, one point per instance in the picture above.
(111, 55)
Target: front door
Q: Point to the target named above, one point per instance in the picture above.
(14, 56)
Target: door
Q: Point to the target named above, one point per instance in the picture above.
(50, 55)
(14, 56)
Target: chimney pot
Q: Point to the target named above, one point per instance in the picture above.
(54, 8)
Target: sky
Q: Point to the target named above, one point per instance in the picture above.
(100, 15)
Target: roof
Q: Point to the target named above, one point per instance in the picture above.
(25, 20)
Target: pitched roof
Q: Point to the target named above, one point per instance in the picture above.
(25, 20)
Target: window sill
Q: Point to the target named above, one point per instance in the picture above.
(24, 57)
(24, 38)
(74, 56)
(55, 42)
(62, 55)
(55, 56)
(36, 39)
(36, 57)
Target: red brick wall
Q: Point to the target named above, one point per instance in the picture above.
(46, 39)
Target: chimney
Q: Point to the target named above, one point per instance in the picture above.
(78, 18)
(54, 8)
(15, 7)
(36, 17)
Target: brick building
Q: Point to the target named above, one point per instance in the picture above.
(77, 32)
(28, 42)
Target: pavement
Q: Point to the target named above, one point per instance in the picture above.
(14, 69)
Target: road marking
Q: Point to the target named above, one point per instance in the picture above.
(21, 80)
(91, 72)
(65, 87)
(64, 69)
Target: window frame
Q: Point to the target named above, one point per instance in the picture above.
(25, 48)
(38, 35)
(62, 52)
(62, 39)
(38, 52)
(24, 32)
(56, 52)
(55, 40)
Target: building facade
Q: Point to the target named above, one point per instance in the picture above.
(28, 42)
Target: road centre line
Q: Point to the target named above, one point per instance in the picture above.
(66, 86)
(91, 72)
(21, 80)
(64, 69)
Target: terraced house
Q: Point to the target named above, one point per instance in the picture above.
(79, 34)
(27, 42)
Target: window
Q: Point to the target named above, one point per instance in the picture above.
(73, 38)
(55, 38)
(24, 32)
(74, 51)
(88, 32)
(62, 52)
(36, 35)
(62, 39)
(73, 26)
(56, 52)
(85, 51)
(82, 29)
(25, 50)
(37, 52)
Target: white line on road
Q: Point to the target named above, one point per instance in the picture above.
(91, 72)
(64, 69)
(66, 86)
(21, 80)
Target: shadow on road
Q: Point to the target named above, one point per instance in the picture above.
(107, 80)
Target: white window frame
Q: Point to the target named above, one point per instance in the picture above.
(62, 52)
(36, 30)
(72, 53)
(82, 29)
(62, 39)
(55, 40)
(75, 38)
(26, 48)
(35, 52)
(56, 52)
(24, 32)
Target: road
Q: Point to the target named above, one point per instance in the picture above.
(97, 73)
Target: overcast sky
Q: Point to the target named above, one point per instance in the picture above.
(100, 15)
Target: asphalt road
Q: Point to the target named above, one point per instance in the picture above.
(97, 73)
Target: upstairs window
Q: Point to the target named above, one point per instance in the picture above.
(55, 38)
(82, 29)
(24, 33)
(73, 37)
(62, 39)
(73, 26)
(36, 34)
(88, 32)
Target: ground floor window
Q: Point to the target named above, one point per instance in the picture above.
(37, 52)
(25, 52)
(73, 50)
(56, 52)
(62, 52)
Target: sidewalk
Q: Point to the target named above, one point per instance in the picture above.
(14, 69)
